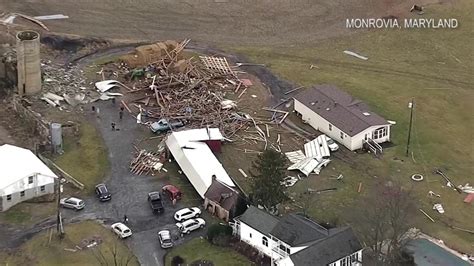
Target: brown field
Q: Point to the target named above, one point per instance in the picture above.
(231, 22)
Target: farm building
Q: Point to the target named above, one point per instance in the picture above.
(221, 200)
(193, 151)
(296, 240)
(337, 114)
(23, 176)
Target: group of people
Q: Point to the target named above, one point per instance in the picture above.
(113, 125)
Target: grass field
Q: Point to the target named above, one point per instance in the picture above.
(85, 158)
(41, 251)
(200, 249)
(432, 65)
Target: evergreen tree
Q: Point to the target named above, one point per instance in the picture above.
(268, 172)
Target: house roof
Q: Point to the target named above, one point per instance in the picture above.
(339, 108)
(222, 194)
(196, 158)
(296, 230)
(340, 243)
(18, 163)
(259, 220)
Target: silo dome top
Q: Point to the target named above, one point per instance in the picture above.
(27, 35)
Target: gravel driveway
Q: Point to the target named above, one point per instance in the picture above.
(129, 192)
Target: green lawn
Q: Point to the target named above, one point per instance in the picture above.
(27, 213)
(85, 158)
(200, 249)
(41, 251)
(433, 66)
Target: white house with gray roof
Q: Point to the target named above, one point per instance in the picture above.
(295, 240)
(23, 176)
(345, 119)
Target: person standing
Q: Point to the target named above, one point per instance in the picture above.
(113, 126)
(121, 115)
(97, 111)
(113, 101)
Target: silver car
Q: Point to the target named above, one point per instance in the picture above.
(165, 239)
(72, 203)
(190, 225)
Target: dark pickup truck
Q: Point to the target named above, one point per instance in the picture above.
(154, 198)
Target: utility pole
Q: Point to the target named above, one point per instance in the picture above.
(411, 105)
(59, 222)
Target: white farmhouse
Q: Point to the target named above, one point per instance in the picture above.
(23, 176)
(343, 118)
(294, 240)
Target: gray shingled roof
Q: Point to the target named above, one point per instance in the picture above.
(340, 109)
(222, 194)
(258, 219)
(295, 230)
(328, 250)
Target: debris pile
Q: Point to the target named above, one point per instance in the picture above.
(145, 163)
(183, 90)
(62, 84)
(315, 157)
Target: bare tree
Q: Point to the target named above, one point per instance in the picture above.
(381, 219)
(113, 257)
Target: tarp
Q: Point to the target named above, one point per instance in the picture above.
(17, 164)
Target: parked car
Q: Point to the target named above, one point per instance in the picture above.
(332, 144)
(72, 203)
(154, 198)
(164, 125)
(165, 239)
(102, 192)
(190, 225)
(187, 213)
(121, 230)
(173, 192)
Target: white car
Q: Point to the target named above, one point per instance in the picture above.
(332, 144)
(72, 203)
(121, 230)
(187, 213)
(165, 239)
(190, 225)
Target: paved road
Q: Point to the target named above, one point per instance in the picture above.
(129, 192)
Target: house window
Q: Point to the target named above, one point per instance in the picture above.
(355, 258)
(380, 132)
(342, 135)
(284, 248)
(30, 180)
(9, 197)
(22, 194)
(42, 188)
(330, 127)
(265, 241)
(250, 235)
(345, 261)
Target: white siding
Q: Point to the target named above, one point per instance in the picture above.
(285, 262)
(339, 262)
(322, 125)
(256, 239)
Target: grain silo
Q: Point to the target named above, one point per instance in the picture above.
(28, 62)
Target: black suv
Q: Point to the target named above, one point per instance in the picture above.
(102, 192)
(154, 198)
